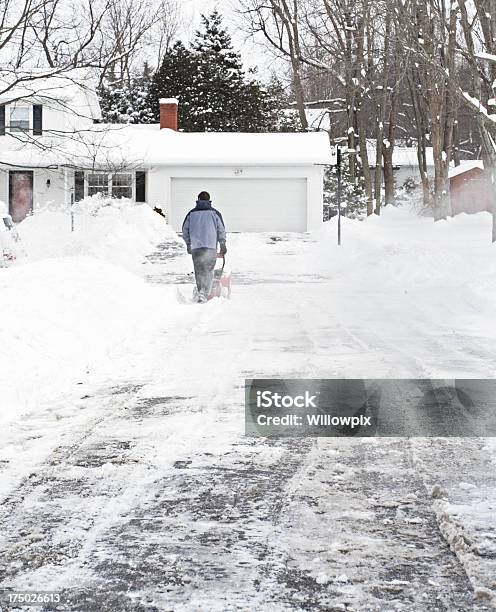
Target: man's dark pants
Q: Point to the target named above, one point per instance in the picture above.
(204, 264)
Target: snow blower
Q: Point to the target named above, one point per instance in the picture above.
(221, 285)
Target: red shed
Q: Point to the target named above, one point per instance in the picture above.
(470, 188)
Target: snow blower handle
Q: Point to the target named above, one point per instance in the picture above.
(223, 257)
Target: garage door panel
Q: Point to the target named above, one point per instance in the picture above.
(247, 205)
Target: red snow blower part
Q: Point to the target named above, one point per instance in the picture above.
(221, 285)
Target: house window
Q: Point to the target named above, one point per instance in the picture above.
(19, 118)
(122, 185)
(116, 185)
(97, 183)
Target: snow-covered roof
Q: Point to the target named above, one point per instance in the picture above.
(402, 156)
(72, 89)
(317, 118)
(487, 56)
(465, 166)
(148, 145)
(227, 148)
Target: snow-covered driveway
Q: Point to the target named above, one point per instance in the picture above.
(144, 494)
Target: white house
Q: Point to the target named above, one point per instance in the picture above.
(36, 114)
(52, 148)
(405, 163)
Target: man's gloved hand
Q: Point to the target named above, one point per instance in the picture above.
(188, 247)
(223, 248)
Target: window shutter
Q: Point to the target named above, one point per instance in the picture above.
(37, 119)
(140, 186)
(2, 120)
(78, 185)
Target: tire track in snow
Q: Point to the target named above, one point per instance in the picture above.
(358, 521)
(458, 475)
(115, 530)
(218, 522)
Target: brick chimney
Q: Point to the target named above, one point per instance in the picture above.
(168, 113)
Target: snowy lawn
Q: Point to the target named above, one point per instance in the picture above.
(403, 297)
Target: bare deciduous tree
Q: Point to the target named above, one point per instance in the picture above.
(281, 23)
(42, 42)
(479, 32)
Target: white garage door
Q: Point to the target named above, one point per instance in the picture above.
(247, 205)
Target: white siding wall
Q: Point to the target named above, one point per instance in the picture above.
(52, 195)
(59, 119)
(158, 187)
(43, 195)
(403, 173)
(4, 187)
(55, 118)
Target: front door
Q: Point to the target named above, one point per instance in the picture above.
(20, 194)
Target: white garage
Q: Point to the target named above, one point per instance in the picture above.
(247, 205)
(259, 182)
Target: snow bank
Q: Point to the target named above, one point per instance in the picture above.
(401, 250)
(71, 307)
(113, 230)
(459, 475)
(65, 320)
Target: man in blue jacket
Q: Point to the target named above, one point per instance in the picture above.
(203, 228)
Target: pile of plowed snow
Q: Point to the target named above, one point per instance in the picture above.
(113, 230)
(73, 305)
(401, 250)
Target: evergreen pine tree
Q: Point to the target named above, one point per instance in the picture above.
(353, 196)
(177, 77)
(123, 103)
(221, 84)
(214, 92)
(263, 107)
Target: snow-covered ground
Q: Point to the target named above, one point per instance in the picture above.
(74, 307)
(127, 481)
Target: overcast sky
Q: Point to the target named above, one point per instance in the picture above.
(253, 53)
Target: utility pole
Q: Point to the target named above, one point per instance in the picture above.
(494, 223)
(72, 210)
(338, 169)
(493, 181)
